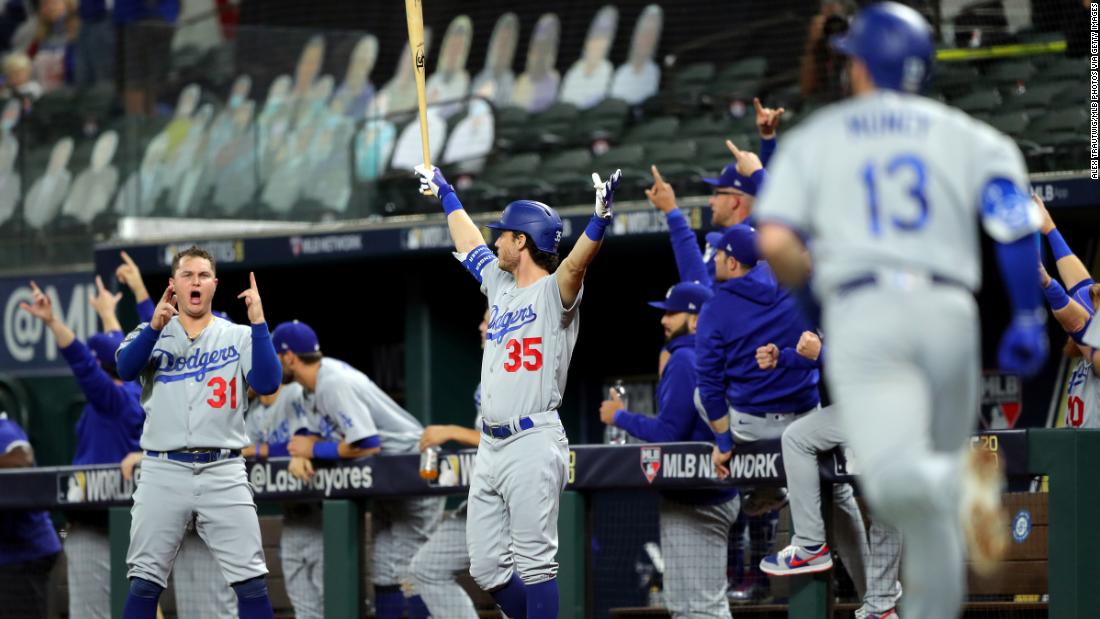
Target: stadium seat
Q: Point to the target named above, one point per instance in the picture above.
(605, 121)
(510, 124)
(552, 127)
(656, 129)
(569, 175)
(979, 101)
(1012, 123)
(1037, 97)
(1009, 71)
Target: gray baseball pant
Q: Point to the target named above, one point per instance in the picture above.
(435, 565)
(905, 368)
(88, 563)
(875, 575)
(301, 549)
(693, 542)
(201, 591)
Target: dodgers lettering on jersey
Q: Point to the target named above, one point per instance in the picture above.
(194, 391)
(348, 405)
(528, 345)
(905, 193)
(273, 423)
(1083, 397)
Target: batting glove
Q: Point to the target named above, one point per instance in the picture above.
(432, 179)
(1024, 344)
(605, 190)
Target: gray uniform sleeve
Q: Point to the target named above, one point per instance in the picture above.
(245, 347)
(997, 157)
(492, 278)
(552, 302)
(347, 411)
(786, 196)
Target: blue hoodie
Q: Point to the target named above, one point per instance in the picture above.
(746, 313)
(677, 419)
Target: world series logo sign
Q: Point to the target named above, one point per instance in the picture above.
(651, 462)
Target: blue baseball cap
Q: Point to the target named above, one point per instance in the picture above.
(733, 179)
(296, 337)
(739, 241)
(684, 297)
(103, 347)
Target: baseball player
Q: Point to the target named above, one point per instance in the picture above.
(1082, 409)
(109, 428)
(522, 461)
(695, 525)
(301, 547)
(883, 188)
(364, 421)
(199, 590)
(29, 546)
(193, 368)
(444, 554)
(731, 202)
(874, 570)
(1070, 268)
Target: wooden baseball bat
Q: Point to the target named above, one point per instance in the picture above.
(415, 18)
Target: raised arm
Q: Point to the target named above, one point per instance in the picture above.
(133, 354)
(685, 246)
(464, 232)
(105, 302)
(1070, 268)
(267, 371)
(570, 274)
(1012, 219)
(129, 275)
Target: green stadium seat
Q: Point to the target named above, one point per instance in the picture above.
(1037, 97)
(1011, 123)
(604, 121)
(978, 102)
(657, 129)
(511, 122)
(568, 175)
(747, 69)
(1066, 119)
(1066, 69)
(1010, 71)
(705, 127)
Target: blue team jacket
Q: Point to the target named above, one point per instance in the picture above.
(746, 313)
(25, 535)
(677, 419)
(110, 426)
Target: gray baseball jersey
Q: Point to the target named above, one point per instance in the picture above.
(193, 391)
(904, 194)
(528, 345)
(274, 423)
(1083, 397)
(349, 405)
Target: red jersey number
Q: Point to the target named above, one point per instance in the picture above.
(1075, 411)
(524, 355)
(219, 386)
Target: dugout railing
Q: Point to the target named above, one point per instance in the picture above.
(1068, 457)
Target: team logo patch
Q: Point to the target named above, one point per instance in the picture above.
(1021, 526)
(651, 462)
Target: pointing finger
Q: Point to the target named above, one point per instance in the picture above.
(252, 280)
(34, 288)
(756, 104)
(733, 149)
(656, 174)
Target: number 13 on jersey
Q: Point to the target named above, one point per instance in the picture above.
(905, 168)
(524, 354)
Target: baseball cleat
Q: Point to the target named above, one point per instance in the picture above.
(984, 520)
(863, 613)
(797, 560)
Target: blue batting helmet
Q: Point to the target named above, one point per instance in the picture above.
(894, 41)
(539, 222)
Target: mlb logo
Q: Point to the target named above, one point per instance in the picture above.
(651, 462)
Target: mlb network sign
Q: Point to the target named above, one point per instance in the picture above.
(29, 347)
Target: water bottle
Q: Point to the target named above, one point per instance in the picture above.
(614, 435)
(429, 464)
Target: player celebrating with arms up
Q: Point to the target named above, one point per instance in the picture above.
(193, 367)
(512, 526)
(886, 187)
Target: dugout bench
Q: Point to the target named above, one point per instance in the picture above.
(1069, 457)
